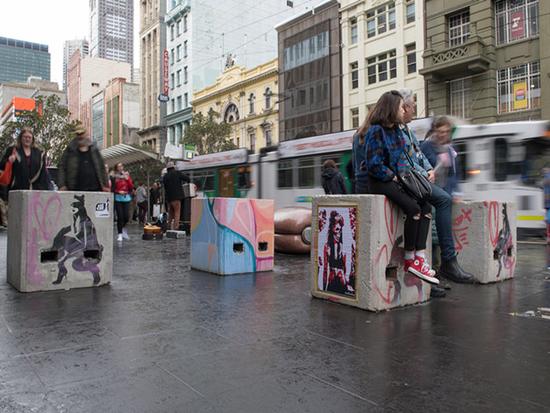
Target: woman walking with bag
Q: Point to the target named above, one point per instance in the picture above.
(28, 164)
(390, 172)
(122, 187)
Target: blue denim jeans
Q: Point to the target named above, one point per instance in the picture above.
(443, 204)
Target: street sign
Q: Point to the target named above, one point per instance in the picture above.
(188, 152)
(163, 98)
(165, 74)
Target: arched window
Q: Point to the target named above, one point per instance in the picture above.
(231, 113)
(251, 100)
(267, 95)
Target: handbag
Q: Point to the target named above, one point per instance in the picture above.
(5, 177)
(414, 183)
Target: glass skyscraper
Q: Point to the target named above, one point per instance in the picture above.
(20, 59)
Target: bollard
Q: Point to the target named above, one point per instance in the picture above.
(59, 240)
(485, 239)
(364, 266)
(232, 236)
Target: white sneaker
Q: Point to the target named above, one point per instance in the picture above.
(119, 238)
(125, 234)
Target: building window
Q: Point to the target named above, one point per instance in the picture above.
(354, 69)
(306, 172)
(518, 88)
(173, 105)
(178, 77)
(306, 51)
(410, 11)
(251, 100)
(381, 19)
(171, 32)
(285, 174)
(252, 142)
(353, 30)
(172, 82)
(185, 23)
(267, 95)
(178, 25)
(354, 118)
(185, 48)
(186, 100)
(381, 67)
(410, 51)
(179, 102)
(516, 20)
(185, 75)
(460, 97)
(172, 55)
(459, 28)
(178, 52)
(268, 139)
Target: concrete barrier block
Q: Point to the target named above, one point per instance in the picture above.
(364, 266)
(232, 236)
(485, 239)
(59, 240)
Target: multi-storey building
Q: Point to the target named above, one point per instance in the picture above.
(32, 88)
(309, 73)
(382, 46)
(69, 48)
(21, 59)
(153, 43)
(85, 78)
(246, 99)
(485, 60)
(112, 30)
(206, 36)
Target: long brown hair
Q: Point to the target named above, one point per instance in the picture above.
(384, 113)
(20, 136)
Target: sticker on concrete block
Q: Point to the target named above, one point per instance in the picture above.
(336, 250)
(102, 209)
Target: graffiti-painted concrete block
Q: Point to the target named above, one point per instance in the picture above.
(485, 239)
(59, 240)
(357, 253)
(232, 236)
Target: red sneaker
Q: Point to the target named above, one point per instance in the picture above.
(425, 266)
(421, 270)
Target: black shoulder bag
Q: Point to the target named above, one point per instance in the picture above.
(413, 182)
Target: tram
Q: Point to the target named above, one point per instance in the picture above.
(500, 161)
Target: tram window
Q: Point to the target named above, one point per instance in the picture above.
(306, 172)
(537, 157)
(204, 180)
(462, 160)
(243, 179)
(500, 159)
(285, 174)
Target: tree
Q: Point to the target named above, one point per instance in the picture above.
(51, 126)
(208, 135)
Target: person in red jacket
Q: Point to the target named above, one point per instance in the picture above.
(122, 186)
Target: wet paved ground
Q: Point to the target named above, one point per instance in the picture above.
(163, 338)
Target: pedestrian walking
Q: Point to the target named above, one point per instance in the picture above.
(441, 200)
(82, 167)
(173, 182)
(333, 180)
(122, 187)
(28, 163)
(141, 199)
(385, 160)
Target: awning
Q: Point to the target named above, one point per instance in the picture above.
(126, 154)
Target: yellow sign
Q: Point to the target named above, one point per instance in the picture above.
(520, 95)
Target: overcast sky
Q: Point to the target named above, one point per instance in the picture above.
(51, 22)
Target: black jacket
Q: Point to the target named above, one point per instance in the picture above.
(68, 167)
(22, 174)
(333, 182)
(173, 184)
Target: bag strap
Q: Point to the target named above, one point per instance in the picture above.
(35, 177)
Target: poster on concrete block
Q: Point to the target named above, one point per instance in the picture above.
(336, 250)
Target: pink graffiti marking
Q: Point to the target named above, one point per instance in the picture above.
(43, 221)
(494, 225)
(461, 224)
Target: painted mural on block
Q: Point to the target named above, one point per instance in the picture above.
(234, 235)
(336, 250)
(501, 238)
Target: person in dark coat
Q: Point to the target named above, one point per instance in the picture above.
(29, 163)
(173, 189)
(333, 180)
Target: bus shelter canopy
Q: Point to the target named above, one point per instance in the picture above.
(126, 154)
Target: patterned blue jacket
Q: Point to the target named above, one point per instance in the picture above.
(421, 163)
(385, 152)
